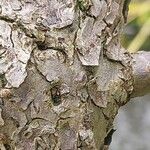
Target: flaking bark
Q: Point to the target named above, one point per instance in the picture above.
(64, 74)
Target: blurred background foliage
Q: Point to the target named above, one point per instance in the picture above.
(137, 31)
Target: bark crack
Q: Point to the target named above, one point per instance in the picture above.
(7, 19)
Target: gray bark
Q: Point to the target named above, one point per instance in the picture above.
(141, 72)
(64, 74)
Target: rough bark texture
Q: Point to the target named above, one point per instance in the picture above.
(64, 74)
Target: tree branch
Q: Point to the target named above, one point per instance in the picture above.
(141, 73)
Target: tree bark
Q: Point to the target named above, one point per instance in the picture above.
(141, 73)
(64, 73)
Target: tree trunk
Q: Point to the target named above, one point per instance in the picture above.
(64, 74)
